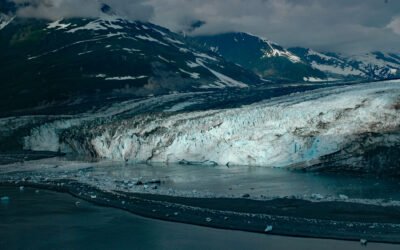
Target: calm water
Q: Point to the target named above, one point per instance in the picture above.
(48, 220)
(257, 181)
(194, 180)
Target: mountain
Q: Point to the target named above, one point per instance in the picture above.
(74, 61)
(373, 66)
(271, 60)
(260, 55)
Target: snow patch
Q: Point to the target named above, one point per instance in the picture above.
(124, 78)
(205, 56)
(214, 49)
(151, 39)
(130, 50)
(184, 50)
(316, 79)
(85, 52)
(223, 79)
(192, 64)
(5, 20)
(193, 75)
(337, 69)
(174, 41)
(273, 52)
(164, 59)
(104, 23)
(58, 25)
(322, 56)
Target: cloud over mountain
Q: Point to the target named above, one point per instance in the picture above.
(56, 9)
(341, 25)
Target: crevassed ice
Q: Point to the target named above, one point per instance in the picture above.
(279, 132)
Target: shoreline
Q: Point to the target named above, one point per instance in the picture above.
(283, 216)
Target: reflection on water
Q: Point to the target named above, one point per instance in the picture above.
(46, 220)
(256, 181)
(200, 180)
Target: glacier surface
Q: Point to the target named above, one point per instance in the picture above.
(302, 128)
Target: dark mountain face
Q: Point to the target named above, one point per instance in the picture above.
(78, 61)
(46, 63)
(7, 7)
(265, 58)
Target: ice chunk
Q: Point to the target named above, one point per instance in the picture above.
(317, 196)
(5, 200)
(268, 228)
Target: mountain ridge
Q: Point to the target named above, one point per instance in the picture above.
(300, 64)
(69, 59)
(260, 55)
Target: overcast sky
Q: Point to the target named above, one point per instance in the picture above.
(350, 26)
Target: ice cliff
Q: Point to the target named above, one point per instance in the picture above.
(349, 125)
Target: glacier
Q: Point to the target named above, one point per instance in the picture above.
(340, 124)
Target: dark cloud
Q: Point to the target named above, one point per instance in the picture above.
(56, 9)
(339, 25)
(328, 25)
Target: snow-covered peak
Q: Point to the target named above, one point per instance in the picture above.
(373, 65)
(114, 25)
(322, 56)
(280, 52)
(137, 57)
(377, 59)
(273, 49)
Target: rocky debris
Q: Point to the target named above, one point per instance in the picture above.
(201, 163)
